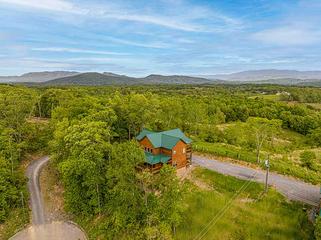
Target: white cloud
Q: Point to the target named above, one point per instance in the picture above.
(34, 64)
(288, 36)
(76, 50)
(52, 5)
(138, 44)
(175, 20)
(156, 20)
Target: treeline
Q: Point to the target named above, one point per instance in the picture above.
(96, 161)
(195, 110)
(92, 150)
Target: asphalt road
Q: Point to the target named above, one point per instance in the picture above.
(292, 188)
(41, 228)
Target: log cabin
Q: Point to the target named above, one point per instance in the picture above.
(167, 147)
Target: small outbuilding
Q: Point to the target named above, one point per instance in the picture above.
(167, 147)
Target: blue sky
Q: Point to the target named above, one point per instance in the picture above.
(138, 38)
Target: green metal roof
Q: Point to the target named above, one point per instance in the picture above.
(166, 139)
(143, 133)
(179, 134)
(153, 159)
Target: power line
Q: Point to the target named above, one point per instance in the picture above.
(213, 221)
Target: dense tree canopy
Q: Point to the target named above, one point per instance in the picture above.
(91, 131)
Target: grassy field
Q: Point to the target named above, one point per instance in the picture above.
(250, 216)
(272, 97)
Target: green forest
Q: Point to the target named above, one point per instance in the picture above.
(89, 132)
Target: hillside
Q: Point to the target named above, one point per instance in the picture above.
(276, 77)
(316, 83)
(281, 81)
(92, 79)
(98, 79)
(266, 74)
(37, 77)
(174, 79)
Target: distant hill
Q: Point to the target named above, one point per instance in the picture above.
(92, 79)
(268, 74)
(279, 77)
(174, 79)
(98, 79)
(37, 77)
(311, 83)
(282, 81)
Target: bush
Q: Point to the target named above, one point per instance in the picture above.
(307, 159)
(315, 137)
(317, 230)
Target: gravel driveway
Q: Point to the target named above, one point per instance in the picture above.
(41, 228)
(292, 188)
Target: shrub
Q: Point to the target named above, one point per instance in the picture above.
(307, 159)
(224, 150)
(317, 230)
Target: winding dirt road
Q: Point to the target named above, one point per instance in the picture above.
(292, 188)
(41, 228)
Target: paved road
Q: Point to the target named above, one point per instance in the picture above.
(41, 228)
(291, 188)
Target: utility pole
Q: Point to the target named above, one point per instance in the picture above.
(267, 165)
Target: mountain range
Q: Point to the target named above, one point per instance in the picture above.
(37, 77)
(266, 74)
(270, 76)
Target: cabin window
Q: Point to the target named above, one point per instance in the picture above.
(184, 150)
(174, 152)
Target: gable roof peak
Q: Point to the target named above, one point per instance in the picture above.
(167, 139)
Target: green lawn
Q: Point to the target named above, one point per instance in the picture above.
(250, 216)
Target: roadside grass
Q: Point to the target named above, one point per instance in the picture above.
(93, 226)
(52, 191)
(16, 221)
(250, 216)
(225, 150)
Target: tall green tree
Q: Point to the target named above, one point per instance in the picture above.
(262, 130)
